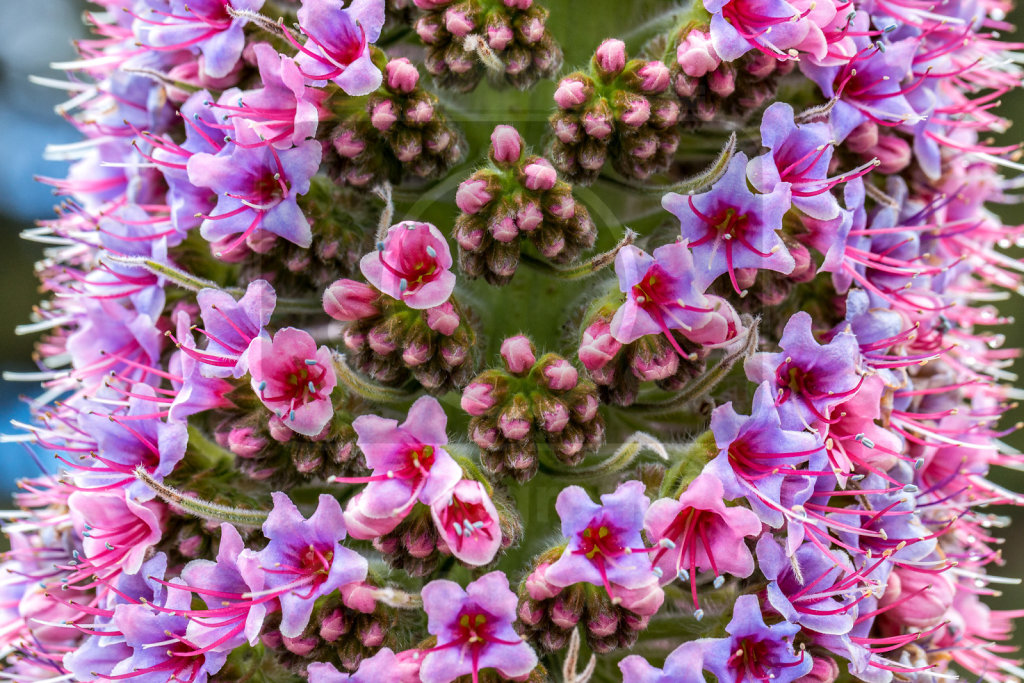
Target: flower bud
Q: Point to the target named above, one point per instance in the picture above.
(504, 229)
(300, 646)
(402, 75)
(472, 195)
(348, 300)
(539, 175)
(863, 139)
(722, 81)
(637, 112)
(654, 77)
(598, 346)
(611, 56)
(532, 30)
(443, 319)
(696, 56)
(383, 115)
(598, 124)
(571, 93)
(553, 415)
(506, 144)
(561, 375)
(519, 354)
(529, 216)
(499, 36)
(478, 398)
(893, 152)
(823, 670)
(333, 625)
(458, 23)
(242, 442)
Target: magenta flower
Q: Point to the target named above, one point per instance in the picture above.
(294, 379)
(230, 327)
(702, 533)
(754, 651)
(412, 264)
(409, 461)
(474, 631)
(799, 154)
(305, 559)
(468, 523)
(221, 584)
(117, 531)
(256, 188)
(730, 227)
(763, 462)
(284, 112)
(203, 25)
(661, 294)
(605, 546)
(337, 45)
(809, 379)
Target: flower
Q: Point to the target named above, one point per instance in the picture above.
(468, 523)
(683, 665)
(412, 265)
(730, 227)
(605, 547)
(294, 379)
(703, 532)
(474, 630)
(408, 460)
(305, 559)
(337, 43)
(753, 650)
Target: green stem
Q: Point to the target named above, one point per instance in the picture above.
(371, 391)
(581, 270)
(201, 508)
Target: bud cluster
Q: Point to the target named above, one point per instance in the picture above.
(467, 38)
(517, 195)
(402, 133)
(530, 402)
(622, 109)
(391, 342)
(709, 87)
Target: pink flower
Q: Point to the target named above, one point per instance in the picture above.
(468, 522)
(409, 463)
(412, 264)
(294, 379)
(699, 533)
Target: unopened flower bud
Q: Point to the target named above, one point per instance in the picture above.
(242, 442)
(598, 124)
(443, 318)
(504, 229)
(722, 81)
(499, 36)
(402, 75)
(561, 375)
(472, 195)
(696, 56)
(893, 152)
(333, 625)
(300, 646)
(539, 175)
(383, 115)
(348, 300)
(478, 398)
(611, 56)
(457, 22)
(529, 216)
(571, 93)
(823, 670)
(637, 112)
(863, 139)
(506, 144)
(518, 353)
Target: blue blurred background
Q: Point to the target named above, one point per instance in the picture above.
(40, 32)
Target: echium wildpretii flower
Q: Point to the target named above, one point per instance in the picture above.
(326, 407)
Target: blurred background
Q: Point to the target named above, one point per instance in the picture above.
(41, 32)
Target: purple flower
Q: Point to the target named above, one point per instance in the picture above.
(305, 559)
(284, 112)
(230, 327)
(870, 83)
(761, 461)
(409, 461)
(777, 28)
(257, 188)
(799, 155)
(160, 647)
(812, 587)
(412, 264)
(474, 630)
(337, 45)
(204, 25)
(294, 379)
(754, 651)
(685, 664)
(808, 378)
(704, 533)
(605, 546)
(729, 227)
(221, 584)
(195, 392)
(660, 294)
(468, 523)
